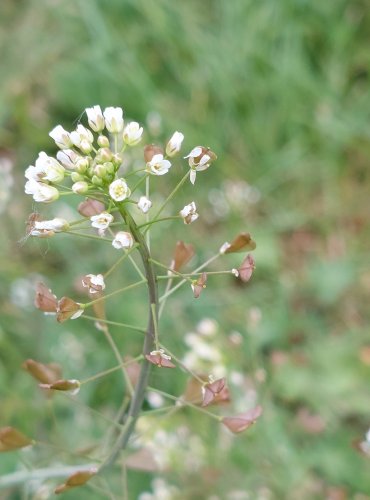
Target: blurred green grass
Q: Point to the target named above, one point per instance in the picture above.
(280, 90)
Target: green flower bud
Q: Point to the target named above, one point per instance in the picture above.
(103, 141)
(76, 177)
(96, 180)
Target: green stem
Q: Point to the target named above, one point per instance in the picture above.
(110, 370)
(121, 259)
(114, 323)
(159, 220)
(140, 388)
(172, 290)
(169, 198)
(120, 290)
(186, 403)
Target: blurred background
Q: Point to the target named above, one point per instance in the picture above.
(280, 91)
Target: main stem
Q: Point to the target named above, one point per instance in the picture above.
(140, 388)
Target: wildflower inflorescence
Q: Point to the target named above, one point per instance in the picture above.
(90, 164)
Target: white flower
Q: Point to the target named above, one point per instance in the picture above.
(46, 228)
(189, 213)
(61, 137)
(101, 221)
(80, 187)
(144, 204)
(94, 282)
(57, 225)
(119, 190)
(68, 158)
(82, 138)
(95, 118)
(113, 119)
(53, 170)
(200, 158)
(42, 193)
(123, 240)
(46, 168)
(132, 133)
(158, 165)
(174, 144)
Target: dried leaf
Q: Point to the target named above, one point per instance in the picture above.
(45, 300)
(12, 439)
(246, 268)
(90, 207)
(199, 285)
(183, 253)
(240, 423)
(68, 309)
(242, 242)
(46, 374)
(79, 478)
(150, 150)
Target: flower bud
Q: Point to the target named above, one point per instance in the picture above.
(174, 144)
(80, 187)
(61, 137)
(117, 160)
(105, 154)
(103, 141)
(82, 165)
(76, 177)
(96, 180)
(109, 167)
(86, 147)
(95, 118)
(100, 171)
(113, 119)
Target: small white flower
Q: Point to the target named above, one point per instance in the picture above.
(113, 119)
(235, 272)
(132, 133)
(174, 144)
(200, 158)
(82, 138)
(144, 204)
(189, 213)
(94, 282)
(57, 225)
(42, 193)
(101, 221)
(95, 118)
(119, 190)
(68, 158)
(80, 187)
(123, 240)
(61, 137)
(51, 168)
(46, 169)
(158, 165)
